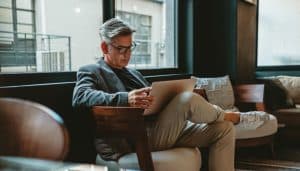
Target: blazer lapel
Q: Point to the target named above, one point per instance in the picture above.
(138, 78)
(113, 82)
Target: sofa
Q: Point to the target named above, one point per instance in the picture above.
(282, 98)
(247, 98)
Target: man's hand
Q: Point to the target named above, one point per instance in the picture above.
(140, 98)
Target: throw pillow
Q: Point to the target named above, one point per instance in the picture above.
(219, 91)
(292, 85)
(276, 95)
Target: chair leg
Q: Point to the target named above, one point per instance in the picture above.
(144, 154)
(273, 154)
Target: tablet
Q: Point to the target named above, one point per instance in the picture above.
(164, 91)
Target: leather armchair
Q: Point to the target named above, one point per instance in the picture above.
(129, 122)
(29, 129)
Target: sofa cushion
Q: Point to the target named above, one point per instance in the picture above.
(292, 85)
(269, 127)
(219, 90)
(289, 116)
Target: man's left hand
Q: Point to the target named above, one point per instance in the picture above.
(140, 98)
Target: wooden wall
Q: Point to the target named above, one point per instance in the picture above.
(246, 42)
(225, 39)
(215, 37)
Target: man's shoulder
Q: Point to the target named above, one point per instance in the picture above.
(92, 67)
(133, 70)
(88, 66)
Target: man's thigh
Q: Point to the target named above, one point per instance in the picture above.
(202, 135)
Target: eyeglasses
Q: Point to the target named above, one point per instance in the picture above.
(124, 49)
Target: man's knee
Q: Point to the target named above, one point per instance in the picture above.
(226, 128)
(189, 98)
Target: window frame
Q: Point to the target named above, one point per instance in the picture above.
(262, 71)
(184, 54)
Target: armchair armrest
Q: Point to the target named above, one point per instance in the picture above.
(244, 93)
(125, 122)
(250, 93)
(117, 121)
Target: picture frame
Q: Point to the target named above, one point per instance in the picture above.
(253, 2)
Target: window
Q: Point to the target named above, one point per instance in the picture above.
(154, 21)
(17, 42)
(44, 41)
(48, 35)
(142, 24)
(278, 33)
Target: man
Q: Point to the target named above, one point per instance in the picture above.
(187, 121)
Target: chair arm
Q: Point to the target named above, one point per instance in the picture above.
(118, 121)
(125, 122)
(115, 110)
(250, 93)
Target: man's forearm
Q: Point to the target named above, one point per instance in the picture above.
(88, 98)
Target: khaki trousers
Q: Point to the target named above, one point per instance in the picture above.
(190, 121)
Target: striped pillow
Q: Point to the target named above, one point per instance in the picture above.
(219, 91)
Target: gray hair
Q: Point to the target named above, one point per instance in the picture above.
(113, 28)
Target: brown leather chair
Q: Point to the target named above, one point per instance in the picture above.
(128, 122)
(30, 129)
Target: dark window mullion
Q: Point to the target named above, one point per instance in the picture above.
(26, 10)
(14, 16)
(3, 22)
(26, 24)
(108, 9)
(3, 7)
(33, 15)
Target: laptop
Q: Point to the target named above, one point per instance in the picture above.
(164, 91)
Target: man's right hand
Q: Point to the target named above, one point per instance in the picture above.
(140, 98)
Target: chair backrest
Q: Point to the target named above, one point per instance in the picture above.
(244, 94)
(30, 129)
(250, 93)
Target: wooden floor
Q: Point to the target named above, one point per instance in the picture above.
(259, 158)
(269, 165)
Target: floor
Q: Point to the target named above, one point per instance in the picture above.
(287, 158)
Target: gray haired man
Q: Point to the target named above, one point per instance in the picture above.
(187, 121)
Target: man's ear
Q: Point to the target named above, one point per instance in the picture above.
(104, 47)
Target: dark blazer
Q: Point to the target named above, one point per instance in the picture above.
(97, 84)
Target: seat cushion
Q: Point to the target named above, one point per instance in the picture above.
(175, 159)
(269, 127)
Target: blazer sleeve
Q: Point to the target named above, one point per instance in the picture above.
(91, 90)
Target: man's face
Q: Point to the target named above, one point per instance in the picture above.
(118, 52)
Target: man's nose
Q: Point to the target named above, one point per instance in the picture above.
(122, 55)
